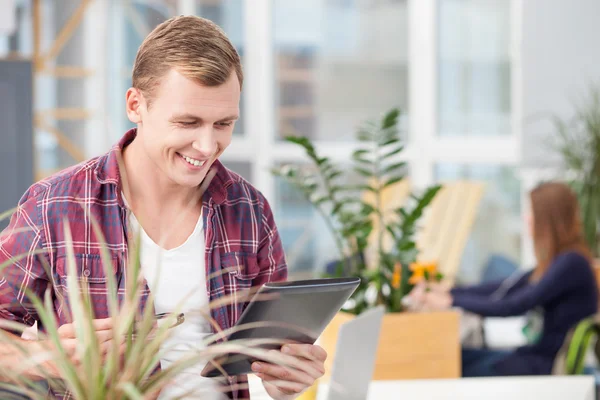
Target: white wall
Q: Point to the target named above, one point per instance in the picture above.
(560, 58)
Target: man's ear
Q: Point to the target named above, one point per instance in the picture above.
(134, 101)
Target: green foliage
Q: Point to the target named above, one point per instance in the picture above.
(578, 143)
(350, 219)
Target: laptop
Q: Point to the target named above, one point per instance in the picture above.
(355, 354)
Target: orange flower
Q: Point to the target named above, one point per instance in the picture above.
(397, 275)
(418, 273)
(419, 270)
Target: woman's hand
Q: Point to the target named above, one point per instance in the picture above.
(427, 296)
(438, 300)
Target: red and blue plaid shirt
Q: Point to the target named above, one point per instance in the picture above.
(240, 238)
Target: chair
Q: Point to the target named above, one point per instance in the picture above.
(572, 356)
(447, 225)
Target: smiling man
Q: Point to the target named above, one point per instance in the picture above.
(184, 100)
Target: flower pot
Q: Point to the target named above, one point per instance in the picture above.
(411, 345)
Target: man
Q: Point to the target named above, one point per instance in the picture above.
(184, 100)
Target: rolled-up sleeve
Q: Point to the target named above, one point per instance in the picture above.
(22, 273)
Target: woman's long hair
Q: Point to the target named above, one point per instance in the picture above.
(556, 225)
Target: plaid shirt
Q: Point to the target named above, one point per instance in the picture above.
(240, 235)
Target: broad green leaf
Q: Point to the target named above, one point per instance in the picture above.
(390, 119)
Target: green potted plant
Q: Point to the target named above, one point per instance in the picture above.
(578, 143)
(352, 213)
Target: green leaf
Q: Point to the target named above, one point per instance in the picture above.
(393, 167)
(364, 136)
(132, 391)
(393, 152)
(392, 232)
(364, 172)
(300, 140)
(361, 152)
(318, 200)
(390, 119)
(337, 208)
(322, 160)
(393, 180)
(391, 140)
(363, 188)
(334, 174)
(367, 207)
(358, 156)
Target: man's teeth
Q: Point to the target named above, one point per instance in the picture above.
(193, 162)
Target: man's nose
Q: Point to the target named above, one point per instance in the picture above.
(205, 144)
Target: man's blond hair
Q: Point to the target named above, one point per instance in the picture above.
(196, 47)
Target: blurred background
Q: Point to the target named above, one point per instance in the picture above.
(478, 83)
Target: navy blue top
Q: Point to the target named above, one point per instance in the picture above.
(566, 294)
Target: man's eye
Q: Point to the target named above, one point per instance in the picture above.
(224, 124)
(186, 123)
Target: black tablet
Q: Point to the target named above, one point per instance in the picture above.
(287, 312)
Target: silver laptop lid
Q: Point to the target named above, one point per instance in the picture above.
(355, 355)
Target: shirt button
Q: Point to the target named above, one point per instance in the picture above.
(86, 272)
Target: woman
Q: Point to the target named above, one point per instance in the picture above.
(556, 295)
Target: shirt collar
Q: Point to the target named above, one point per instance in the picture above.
(107, 170)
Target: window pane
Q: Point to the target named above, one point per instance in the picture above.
(474, 67)
(307, 240)
(229, 15)
(298, 224)
(338, 62)
(497, 228)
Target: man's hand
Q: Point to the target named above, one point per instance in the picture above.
(303, 365)
(66, 333)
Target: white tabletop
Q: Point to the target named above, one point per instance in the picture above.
(513, 388)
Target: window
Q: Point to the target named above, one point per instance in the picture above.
(318, 68)
(474, 67)
(338, 63)
(497, 227)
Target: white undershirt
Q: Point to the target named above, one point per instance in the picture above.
(172, 275)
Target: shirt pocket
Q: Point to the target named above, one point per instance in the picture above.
(90, 277)
(239, 270)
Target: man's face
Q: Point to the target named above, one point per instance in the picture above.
(187, 127)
